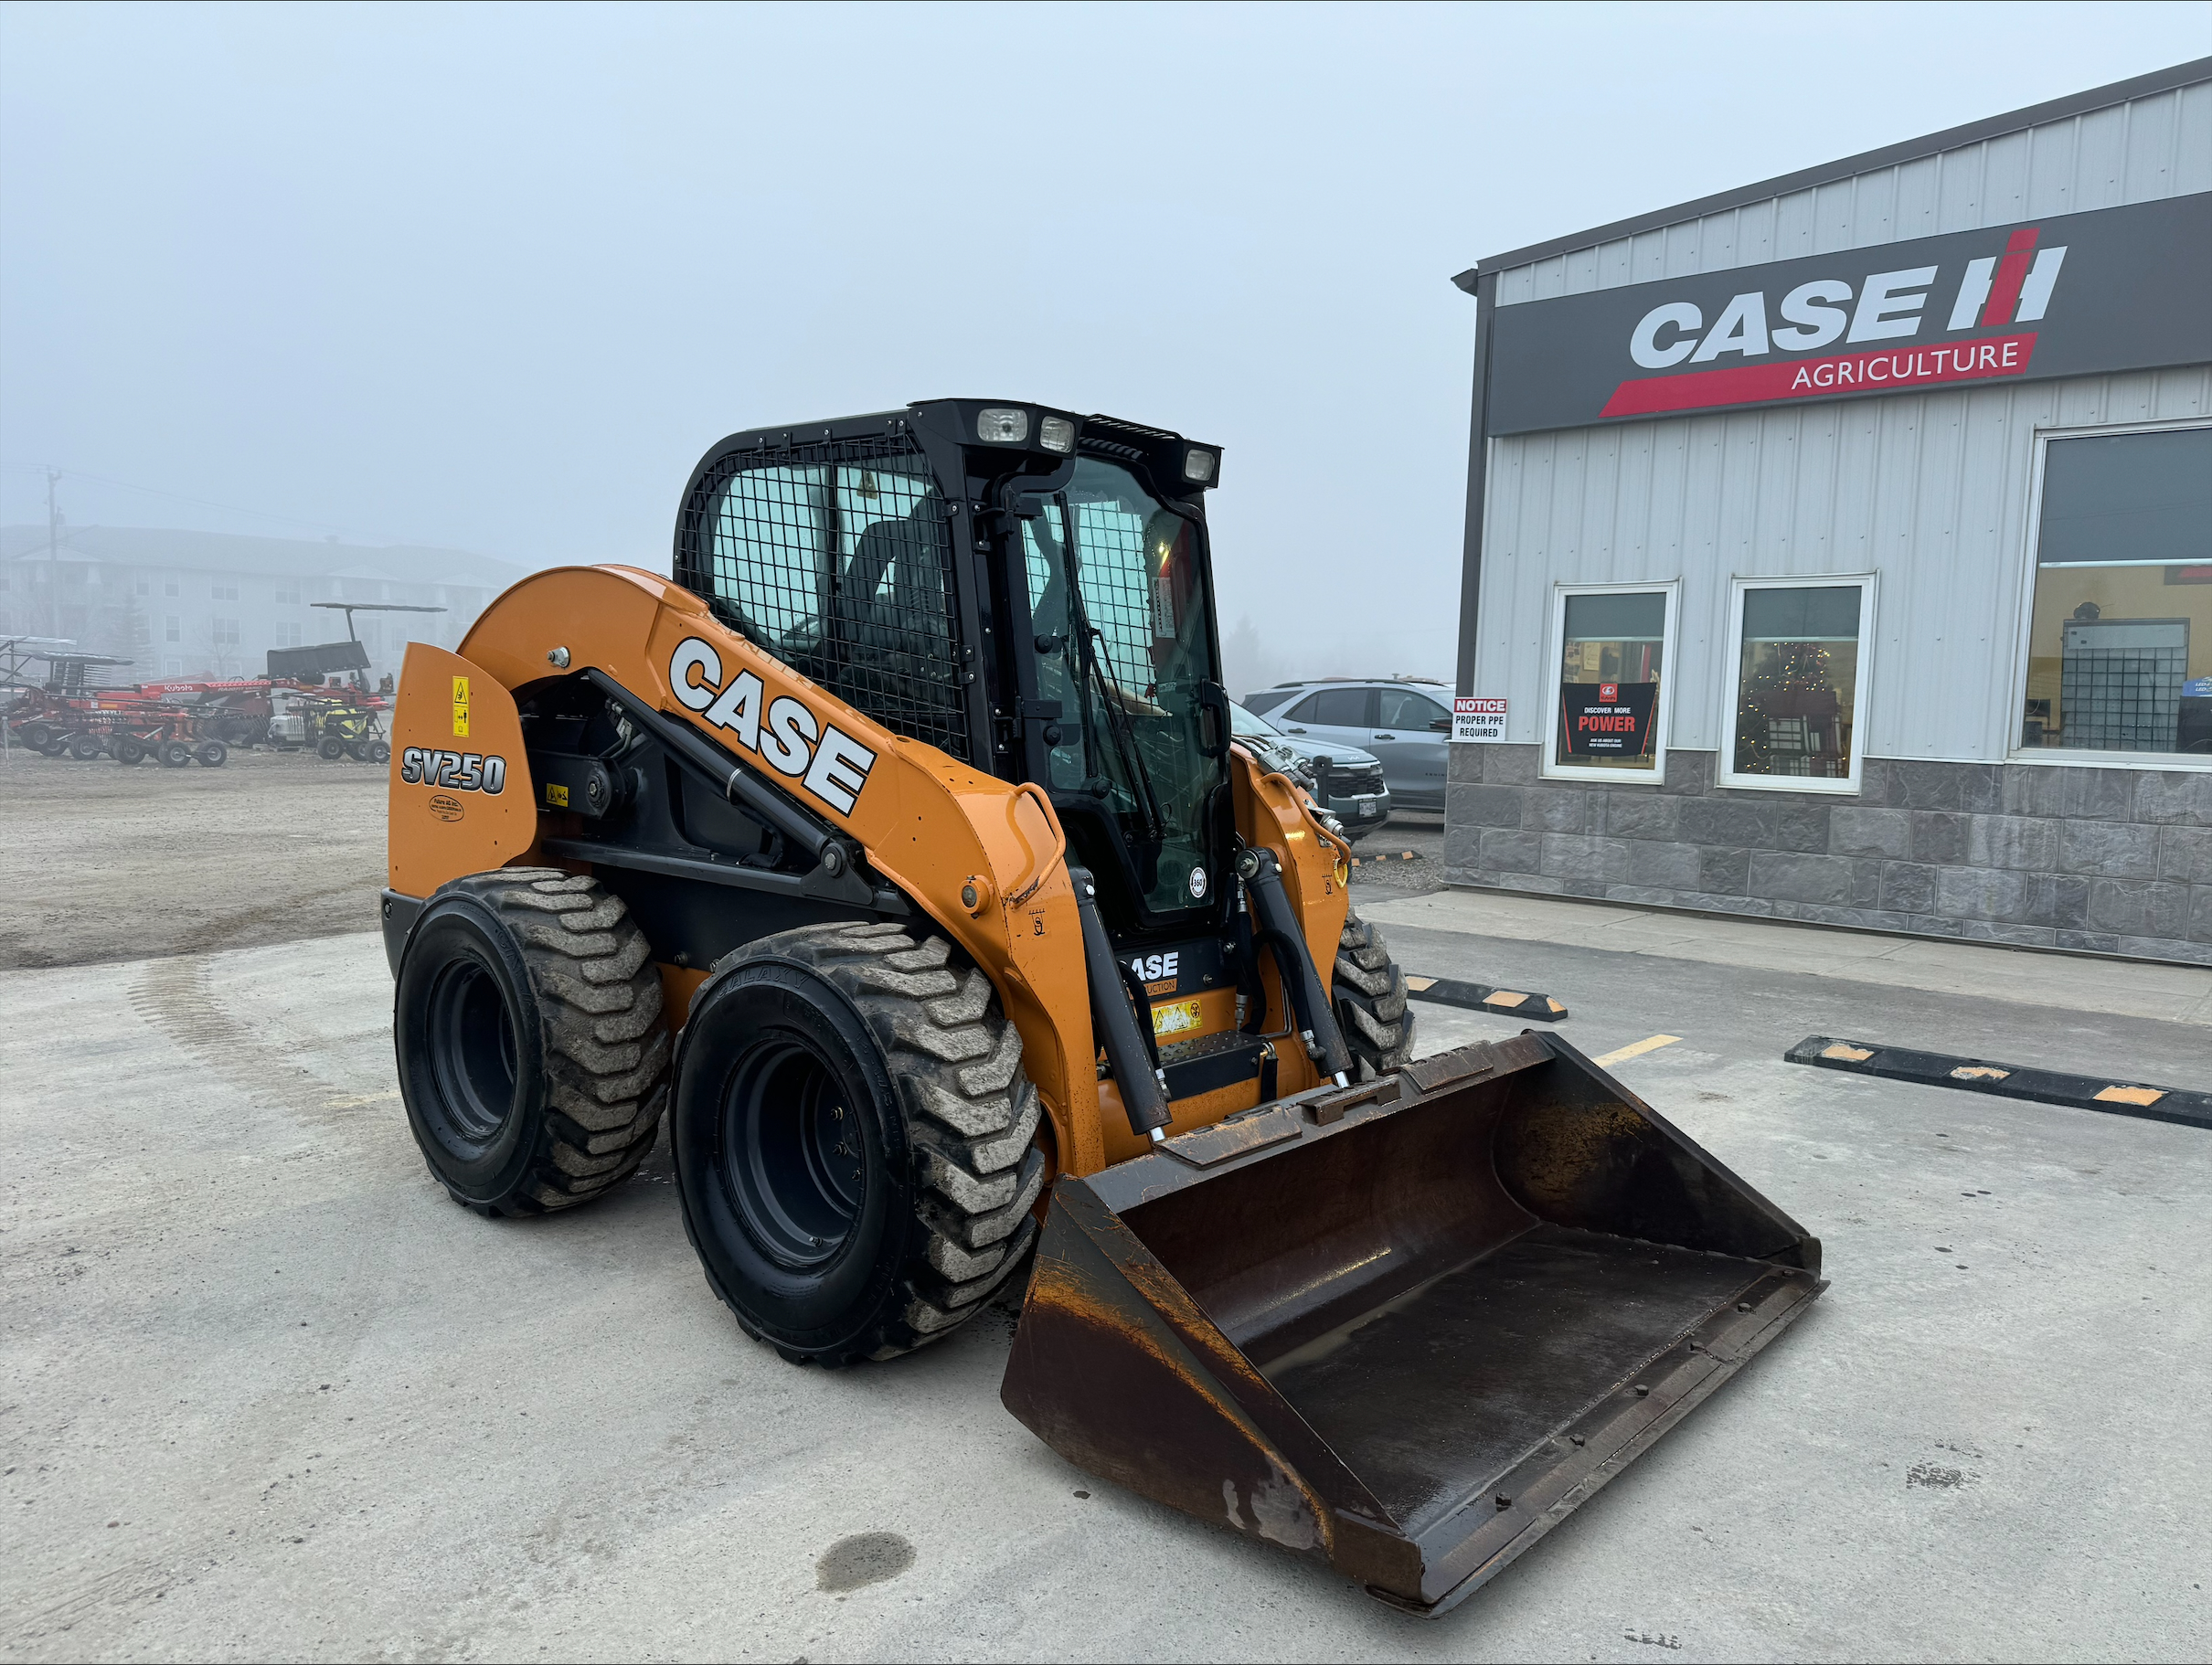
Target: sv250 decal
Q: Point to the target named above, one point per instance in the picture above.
(788, 735)
(467, 771)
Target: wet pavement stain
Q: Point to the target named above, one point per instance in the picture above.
(865, 1558)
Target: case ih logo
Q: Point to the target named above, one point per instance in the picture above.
(1990, 292)
(2101, 292)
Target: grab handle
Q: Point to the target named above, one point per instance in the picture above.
(1059, 844)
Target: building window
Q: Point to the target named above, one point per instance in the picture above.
(172, 667)
(2120, 637)
(288, 635)
(1798, 662)
(173, 629)
(169, 586)
(1611, 647)
(226, 633)
(145, 586)
(224, 592)
(288, 595)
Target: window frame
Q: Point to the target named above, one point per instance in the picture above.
(1550, 768)
(2015, 706)
(1724, 770)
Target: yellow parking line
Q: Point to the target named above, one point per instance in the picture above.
(1651, 1042)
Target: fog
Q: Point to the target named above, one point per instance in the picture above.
(492, 279)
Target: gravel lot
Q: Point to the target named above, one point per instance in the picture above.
(100, 863)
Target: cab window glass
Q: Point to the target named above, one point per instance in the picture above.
(844, 574)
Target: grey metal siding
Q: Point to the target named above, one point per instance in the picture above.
(1929, 491)
(2135, 152)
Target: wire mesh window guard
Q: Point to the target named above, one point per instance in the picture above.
(837, 559)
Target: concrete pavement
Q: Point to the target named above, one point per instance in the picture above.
(268, 1392)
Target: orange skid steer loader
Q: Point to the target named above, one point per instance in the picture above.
(898, 851)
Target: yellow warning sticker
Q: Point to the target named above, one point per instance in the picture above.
(1175, 1017)
(558, 796)
(460, 707)
(2131, 1095)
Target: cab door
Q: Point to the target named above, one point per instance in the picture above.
(1410, 733)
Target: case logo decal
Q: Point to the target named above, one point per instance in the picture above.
(465, 771)
(788, 735)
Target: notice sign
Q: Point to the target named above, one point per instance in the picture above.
(1608, 720)
(1477, 719)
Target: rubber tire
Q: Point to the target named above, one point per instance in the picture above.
(128, 749)
(174, 754)
(84, 748)
(358, 751)
(378, 752)
(37, 736)
(1369, 995)
(578, 989)
(330, 748)
(212, 754)
(919, 1048)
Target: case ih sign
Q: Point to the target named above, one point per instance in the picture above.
(2069, 294)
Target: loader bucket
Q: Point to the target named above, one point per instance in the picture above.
(1405, 1327)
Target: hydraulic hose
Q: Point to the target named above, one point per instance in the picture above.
(1276, 925)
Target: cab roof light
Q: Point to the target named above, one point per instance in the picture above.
(1057, 434)
(1002, 425)
(1198, 466)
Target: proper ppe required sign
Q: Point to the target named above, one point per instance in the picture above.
(1474, 718)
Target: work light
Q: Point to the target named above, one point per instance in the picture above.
(1057, 434)
(1198, 466)
(997, 425)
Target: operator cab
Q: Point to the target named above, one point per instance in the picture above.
(1028, 591)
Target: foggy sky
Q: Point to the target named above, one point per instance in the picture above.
(493, 279)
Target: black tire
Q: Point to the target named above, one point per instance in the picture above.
(331, 748)
(358, 751)
(1369, 993)
(84, 748)
(37, 736)
(174, 754)
(378, 752)
(128, 749)
(853, 1139)
(533, 1059)
(212, 754)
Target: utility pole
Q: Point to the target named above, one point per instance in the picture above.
(53, 556)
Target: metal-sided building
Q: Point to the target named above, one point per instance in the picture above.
(1841, 546)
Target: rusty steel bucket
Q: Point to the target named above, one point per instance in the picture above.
(1405, 1327)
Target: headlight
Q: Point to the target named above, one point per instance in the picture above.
(1056, 434)
(996, 425)
(1197, 465)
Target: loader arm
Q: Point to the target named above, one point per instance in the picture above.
(985, 859)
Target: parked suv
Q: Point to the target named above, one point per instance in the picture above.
(1405, 722)
(1345, 780)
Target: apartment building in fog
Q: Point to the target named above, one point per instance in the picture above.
(212, 604)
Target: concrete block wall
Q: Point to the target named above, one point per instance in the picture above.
(2117, 861)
